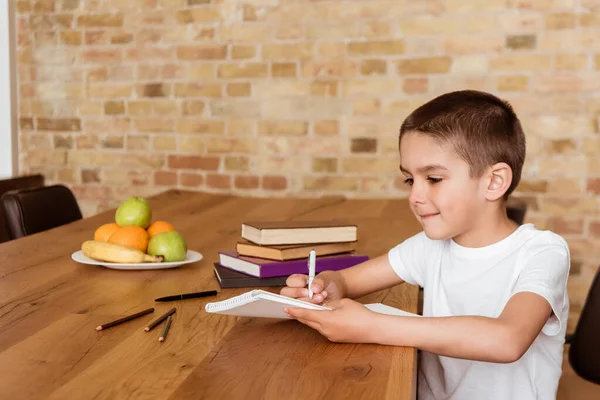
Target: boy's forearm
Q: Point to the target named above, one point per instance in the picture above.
(368, 277)
(470, 337)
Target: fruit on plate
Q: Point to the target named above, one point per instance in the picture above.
(171, 245)
(131, 236)
(134, 211)
(104, 251)
(159, 226)
(103, 233)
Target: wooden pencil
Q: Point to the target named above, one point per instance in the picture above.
(163, 334)
(124, 319)
(160, 319)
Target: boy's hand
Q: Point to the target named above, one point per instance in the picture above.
(347, 322)
(323, 287)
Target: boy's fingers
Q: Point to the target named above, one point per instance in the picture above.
(296, 280)
(294, 292)
(309, 315)
(318, 285)
(314, 325)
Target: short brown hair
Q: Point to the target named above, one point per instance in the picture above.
(483, 129)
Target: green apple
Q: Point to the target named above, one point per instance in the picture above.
(134, 211)
(171, 245)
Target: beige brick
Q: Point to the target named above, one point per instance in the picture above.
(557, 206)
(193, 162)
(97, 74)
(324, 88)
(112, 56)
(139, 108)
(369, 165)
(202, 71)
(46, 157)
(240, 127)
(154, 125)
(470, 64)
(249, 12)
(153, 90)
(114, 107)
(415, 85)
(333, 50)
(459, 6)
(597, 61)
(332, 31)
(327, 165)
(560, 20)
(590, 19)
(86, 108)
(567, 226)
(563, 166)
(289, 31)
(231, 108)
(567, 83)
(166, 107)
(109, 91)
(100, 20)
(373, 67)
(426, 65)
(430, 25)
(252, 32)
(59, 124)
(202, 52)
(330, 69)
(270, 89)
(367, 107)
(127, 37)
(363, 145)
(112, 142)
(189, 125)
(164, 142)
(561, 146)
(383, 47)
(137, 142)
(287, 51)
(283, 70)
(23, 7)
(570, 40)
(572, 62)
(521, 42)
(237, 163)
(248, 70)
(567, 186)
(521, 62)
(71, 38)
(372, 86)
(197, 90)
(63, 142)
(240, 52)
(469, 43)
(192, 144)
(330, 183)
(512, 83)
(275, 128)
(198, 15)
(188, 179)
(231, 145)
(96, 37)
(193, 107)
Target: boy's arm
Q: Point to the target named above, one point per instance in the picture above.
(504, 339)
(368, 277)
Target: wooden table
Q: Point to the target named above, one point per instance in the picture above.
(50, 305)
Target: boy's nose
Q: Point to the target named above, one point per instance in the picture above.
(416, 195)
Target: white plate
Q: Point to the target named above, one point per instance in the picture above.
(192, 256)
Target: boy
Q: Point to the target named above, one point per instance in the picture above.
(496, 306)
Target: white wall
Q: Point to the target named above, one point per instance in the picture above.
(8, 98)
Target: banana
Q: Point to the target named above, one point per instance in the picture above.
(110, 252)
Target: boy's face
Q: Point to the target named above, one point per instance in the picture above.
(443, 196)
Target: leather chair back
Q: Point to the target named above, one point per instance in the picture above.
(30, 211)
(16, 183)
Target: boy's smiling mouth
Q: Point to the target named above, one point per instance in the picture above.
(427, 216)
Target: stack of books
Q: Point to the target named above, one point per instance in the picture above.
(269, 252)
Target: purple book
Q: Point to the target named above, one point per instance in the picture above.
(263, 268)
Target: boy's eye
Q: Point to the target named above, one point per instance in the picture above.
(408, 181)
(433, 180)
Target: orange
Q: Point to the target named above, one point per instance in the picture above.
(103, 233)
(131, 236)
(158, 227)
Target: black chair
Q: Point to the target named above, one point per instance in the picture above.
(16, 183)
(584, 353)
(30, 211)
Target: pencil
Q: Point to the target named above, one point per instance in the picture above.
(160, 319)
(163, 334)
(124, 319)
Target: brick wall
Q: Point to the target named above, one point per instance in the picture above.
(302, 97)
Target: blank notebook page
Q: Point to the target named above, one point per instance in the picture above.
(260, 303)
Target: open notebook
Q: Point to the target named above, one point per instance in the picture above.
(260, 303)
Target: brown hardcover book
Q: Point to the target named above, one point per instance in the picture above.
(298, 232)
(292, 251)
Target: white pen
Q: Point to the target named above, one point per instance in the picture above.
(312, 260)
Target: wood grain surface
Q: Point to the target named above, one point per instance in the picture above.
(50, 305)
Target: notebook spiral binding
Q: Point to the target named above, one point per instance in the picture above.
(233, 302)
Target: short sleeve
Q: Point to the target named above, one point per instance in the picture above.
(408, 259)
(545, 273)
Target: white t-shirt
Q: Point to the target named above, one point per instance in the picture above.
(479, 281)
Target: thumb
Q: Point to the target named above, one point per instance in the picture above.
(318, 284)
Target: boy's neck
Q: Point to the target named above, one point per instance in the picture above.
(493, 228)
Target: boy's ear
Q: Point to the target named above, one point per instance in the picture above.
(499, 179)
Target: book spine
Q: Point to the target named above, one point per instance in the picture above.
(301, 266)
